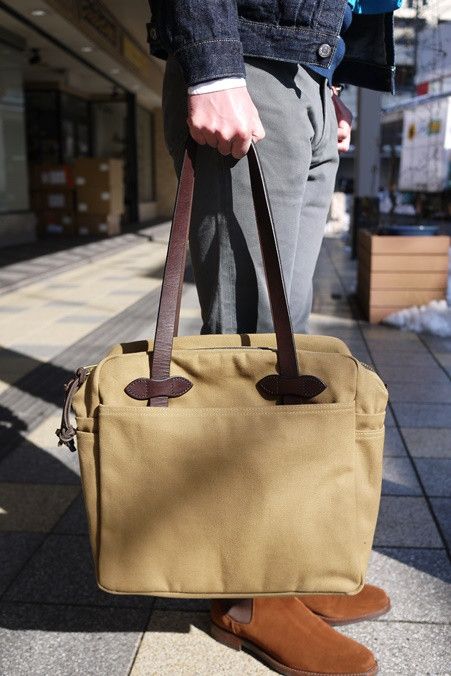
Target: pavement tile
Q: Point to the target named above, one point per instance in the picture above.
(408, 374)
(389, 419)
(405, 648)
(417, 582)
(14, 365)
(393, 446)
(437, 343)
(428, 442)
(44, 351)
(64, 303)
(444, 358)
(412, 348)
(15, 550)
(421, 392)
(67, 641)
(404, 359)
(31, 464)
(12, 310)
(435, 474)
(362, 354)
(399, 477)
(83, 319)
(33, 508)
(62, 572)
(187, 605)
(405, 522)
(73, 521)
(389, 335)
(178, 643)
(422, 415)
(442, 511)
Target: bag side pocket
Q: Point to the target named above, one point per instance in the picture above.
(368, 475)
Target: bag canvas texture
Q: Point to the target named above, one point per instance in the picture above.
(223, 492)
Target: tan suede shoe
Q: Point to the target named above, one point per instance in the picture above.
(371, 602)
(284, 634)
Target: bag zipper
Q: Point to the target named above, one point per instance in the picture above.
(367, 366)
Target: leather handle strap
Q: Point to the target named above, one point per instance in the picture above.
(169, 306)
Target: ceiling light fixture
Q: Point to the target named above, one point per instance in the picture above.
(87, 49)
(39, 12)
(115, 71)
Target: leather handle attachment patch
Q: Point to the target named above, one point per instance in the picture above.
(304, 387)
(147, 388)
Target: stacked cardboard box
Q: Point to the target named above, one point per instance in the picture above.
(397, 272)
(100, 195)
(53, 198)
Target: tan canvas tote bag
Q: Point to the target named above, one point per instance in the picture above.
(228, 465)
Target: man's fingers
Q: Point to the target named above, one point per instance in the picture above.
(197, 136)
(241, 145)
(259, 133)
(343, 146)
(224, 145)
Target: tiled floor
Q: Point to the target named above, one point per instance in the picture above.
(53, 619)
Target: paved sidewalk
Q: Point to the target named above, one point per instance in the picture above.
(21, 265)
(53, 619)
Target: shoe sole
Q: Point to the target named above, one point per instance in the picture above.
(362, 618)
(236, 643)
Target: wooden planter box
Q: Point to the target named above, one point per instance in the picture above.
(397, 272)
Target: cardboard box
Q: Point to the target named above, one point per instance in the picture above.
(397, 272)
(98, 224)
(95, 202)
(99, 185)
(55, 223)
(56, 199)
(50, 176)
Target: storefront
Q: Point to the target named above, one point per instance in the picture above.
(59, 105)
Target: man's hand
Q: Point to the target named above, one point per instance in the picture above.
(226, 120)
(344, 119)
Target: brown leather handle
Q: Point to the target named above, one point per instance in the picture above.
(168, 311)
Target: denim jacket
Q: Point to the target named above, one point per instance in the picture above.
(209, 38)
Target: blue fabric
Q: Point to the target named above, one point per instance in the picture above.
(374, 6)
(328, 73)
(358, 7)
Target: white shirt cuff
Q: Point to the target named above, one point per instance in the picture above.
(217, 85)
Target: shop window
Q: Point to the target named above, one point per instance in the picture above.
(43, 129)
(110, 128)
(75, 124)
(13, 161)
(58, 127)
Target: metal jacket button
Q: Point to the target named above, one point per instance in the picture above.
(325, 50)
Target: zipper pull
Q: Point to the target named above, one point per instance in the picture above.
(67, 432)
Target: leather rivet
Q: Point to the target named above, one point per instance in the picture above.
(325, 50)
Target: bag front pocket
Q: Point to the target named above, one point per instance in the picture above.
(214, 502)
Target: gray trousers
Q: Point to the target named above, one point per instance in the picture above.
(299, 158)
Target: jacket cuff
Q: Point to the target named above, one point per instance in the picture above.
(211, 59)
(219, 85)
